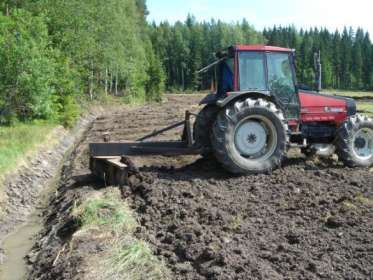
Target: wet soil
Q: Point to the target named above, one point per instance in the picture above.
(18, 244)
(311, 219)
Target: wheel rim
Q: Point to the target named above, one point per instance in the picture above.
(255, 138)
(363, 144)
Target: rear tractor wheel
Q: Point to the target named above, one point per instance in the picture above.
(354, 141)
(250, 136)
(202, 128)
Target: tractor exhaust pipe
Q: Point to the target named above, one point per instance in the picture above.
(318, 70)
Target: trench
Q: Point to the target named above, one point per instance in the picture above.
(16, 257)
(19, 243)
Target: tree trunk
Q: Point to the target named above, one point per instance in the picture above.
(177, 78)
(111, 81)
(116, 83)
(106, 81)
(91, 82)
(182, 78)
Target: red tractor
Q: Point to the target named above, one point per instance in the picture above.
(257, 112)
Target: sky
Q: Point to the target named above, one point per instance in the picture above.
(332, 14)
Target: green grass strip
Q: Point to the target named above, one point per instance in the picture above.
(18, 140)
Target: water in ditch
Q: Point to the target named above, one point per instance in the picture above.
(19, 243)
(17, 246)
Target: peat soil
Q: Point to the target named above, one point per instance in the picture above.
(311, 219)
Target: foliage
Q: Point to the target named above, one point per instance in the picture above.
(18, 140)
(133, 259)
(155, 84)
(108, 43)
(105, 211)
(53, 52)
(67, 87)
(26, 71)
(127, 257)
(366, 108)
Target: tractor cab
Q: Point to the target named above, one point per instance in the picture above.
(258, 68)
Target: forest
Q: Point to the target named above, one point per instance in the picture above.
(56, 53)
(346, 57)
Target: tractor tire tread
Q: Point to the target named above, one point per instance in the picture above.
(344, 138)
(228, 117)
(202, 128)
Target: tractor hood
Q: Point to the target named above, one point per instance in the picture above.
(324, 107)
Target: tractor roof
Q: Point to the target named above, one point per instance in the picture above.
(222, 55)
(262, 48)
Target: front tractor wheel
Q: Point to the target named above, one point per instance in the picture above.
(354, 141)
(250, 136)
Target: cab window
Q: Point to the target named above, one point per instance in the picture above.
(252, 71)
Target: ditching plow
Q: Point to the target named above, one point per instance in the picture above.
(110, 160)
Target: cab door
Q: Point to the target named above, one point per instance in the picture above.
(281, 83)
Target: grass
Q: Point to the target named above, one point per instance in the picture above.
(18, 140)
(105, 211)
(348, 205)
(365, 108)
(235, 223)
(127, 257)
(363, 200)
(348, 93)
(134, 260)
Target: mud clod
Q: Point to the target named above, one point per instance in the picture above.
(334, 222)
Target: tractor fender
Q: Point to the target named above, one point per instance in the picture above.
(213, 99)
(209, 99)
(234, 96)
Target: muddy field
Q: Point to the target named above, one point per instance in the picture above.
(311, 219)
